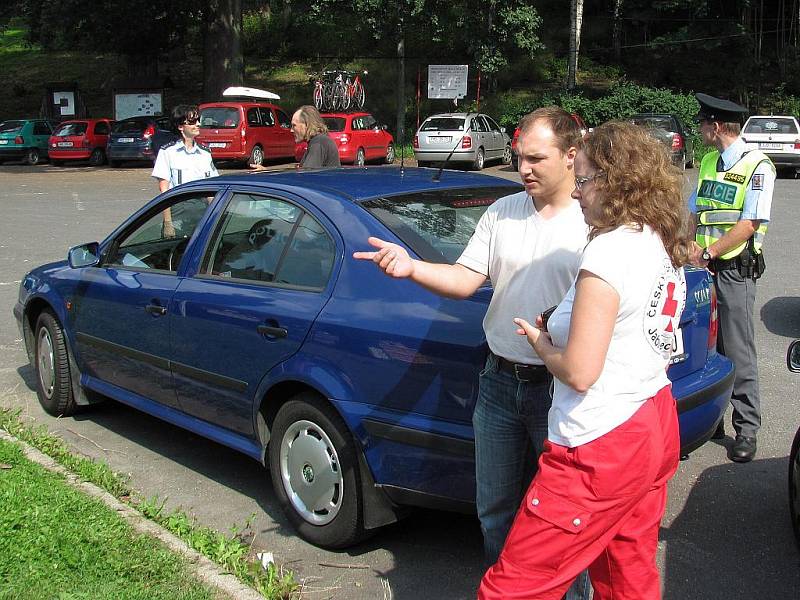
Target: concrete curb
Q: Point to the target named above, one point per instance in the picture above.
(203, 568)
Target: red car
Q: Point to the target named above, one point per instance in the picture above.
(80, 139)
(358, 136)
(249, 132)
(575, 117)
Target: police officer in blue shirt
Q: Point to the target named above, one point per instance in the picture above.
(183, 160)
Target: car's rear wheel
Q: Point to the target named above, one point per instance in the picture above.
(256, 156)
(794, 487)
(53, 383)
(389, 154)
(314, 468)
(360, 158)
(32, 157)
(506, 160)
(480, 159)
(97, 157)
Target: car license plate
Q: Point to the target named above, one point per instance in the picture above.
(768, 146)
(65, 144)
(439, 139)
(217, 145)
(125, 140)
(3, 142)
(678, 352)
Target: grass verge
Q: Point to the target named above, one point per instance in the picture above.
(229, 551)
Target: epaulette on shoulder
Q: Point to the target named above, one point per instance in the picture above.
(202, 146)
(171, 144)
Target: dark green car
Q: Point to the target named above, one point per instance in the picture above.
(25, 139)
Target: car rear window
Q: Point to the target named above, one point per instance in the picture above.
(437, 225)
(219, 117)
(771, 125)
(11, 126)
(655, 122)
(334, 123)
(70, 129)
(443, 124)
(129, 126)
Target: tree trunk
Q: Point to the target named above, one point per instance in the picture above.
(222, 51)
(575, 19)
(617, 36)
(401, 87)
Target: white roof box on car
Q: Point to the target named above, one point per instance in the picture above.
(248, 92)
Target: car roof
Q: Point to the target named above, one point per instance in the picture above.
(237, 103)
(362, 183)
(770, 117)
(344, 115)
(453, 115)
(83, 120)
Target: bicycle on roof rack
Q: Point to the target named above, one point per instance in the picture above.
(339, 90)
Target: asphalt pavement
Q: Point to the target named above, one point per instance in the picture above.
(726, 532)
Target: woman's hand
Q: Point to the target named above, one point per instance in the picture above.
(532, 332)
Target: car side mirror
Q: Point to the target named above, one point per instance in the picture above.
(85, 255)
(793, 357)
(384, 127)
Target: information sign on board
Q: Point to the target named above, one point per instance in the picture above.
(137, 104)
(447, 81)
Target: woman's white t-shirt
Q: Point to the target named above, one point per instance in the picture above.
(652, 295)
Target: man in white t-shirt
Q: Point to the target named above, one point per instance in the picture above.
(529, 245)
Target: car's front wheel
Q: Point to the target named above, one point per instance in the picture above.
(389, 154)
(32, 157)
(97, 157)
(314, 467)
(507, 154)
(53, 383)
(794, 487)
(360, 158)
(256, 156)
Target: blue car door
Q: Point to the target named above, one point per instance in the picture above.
(262, 281)
(123, 306)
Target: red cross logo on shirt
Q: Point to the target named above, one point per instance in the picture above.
(670, 305)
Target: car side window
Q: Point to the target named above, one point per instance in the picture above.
(370, 123)
(284, 120)
(357, 124)
(146, 245)
(101, 128)
(478, 125)
(252, 117)
(269, 240)
(493, 126)
(266, 117)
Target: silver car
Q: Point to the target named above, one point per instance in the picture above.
(472, 138)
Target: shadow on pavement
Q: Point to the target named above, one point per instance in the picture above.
(781, 315)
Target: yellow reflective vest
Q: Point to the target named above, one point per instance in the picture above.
(720, 199)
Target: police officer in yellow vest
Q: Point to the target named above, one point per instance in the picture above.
(731, 208)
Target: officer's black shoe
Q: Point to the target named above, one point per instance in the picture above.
(719, 432)
(743, 449)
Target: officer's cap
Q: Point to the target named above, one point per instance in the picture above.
(717, 109)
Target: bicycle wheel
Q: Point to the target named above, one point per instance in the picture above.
(318, 97)
(340, 99)
(327, 96)
(359, 95)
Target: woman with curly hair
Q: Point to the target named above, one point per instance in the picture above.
(599, 495)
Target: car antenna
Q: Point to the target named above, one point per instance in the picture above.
(438, 175)
(402, 150)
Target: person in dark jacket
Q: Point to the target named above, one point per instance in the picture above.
(321, 151)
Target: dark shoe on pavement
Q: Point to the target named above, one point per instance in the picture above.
(719, 432)
(744, 449)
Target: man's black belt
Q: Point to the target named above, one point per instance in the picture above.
(724, 264)
(524, 373)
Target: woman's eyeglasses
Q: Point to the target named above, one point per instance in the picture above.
(191, 121)
(579, 181)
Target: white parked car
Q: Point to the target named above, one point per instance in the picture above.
(778, 137)
(472, 138)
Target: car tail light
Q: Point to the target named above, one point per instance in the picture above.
(677, 141)
(713, 324)
(149, 132)
(797, 144)
(344, 139)
(416, 141)
(19, 140)
(466, 142)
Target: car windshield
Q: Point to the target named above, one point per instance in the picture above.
(436, 225)
(130, 126)
(219, 117)
(334, 123)
(70, 129)
(771, 125)
(443, 124)
(11, 126)
(654, 122)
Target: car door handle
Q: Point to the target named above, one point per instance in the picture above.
(156, 309)
(273, 332)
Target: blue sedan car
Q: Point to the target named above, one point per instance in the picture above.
(253, 326)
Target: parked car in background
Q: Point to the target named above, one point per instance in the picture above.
(255, 327)
(669, 130)
(247, 132)
(776, 136)
(359, 138)
(793, 362)
(471, 138)
(25, 139)
(139, 139)
(80, 139)
(515, 158)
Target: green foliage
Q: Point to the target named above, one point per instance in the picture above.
(781, 103)
(57, 543)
